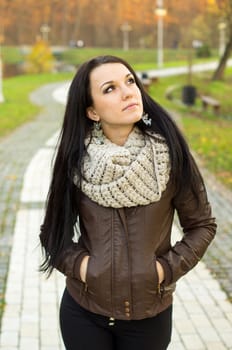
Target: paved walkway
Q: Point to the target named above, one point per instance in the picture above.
(202, 313)
(196, 68)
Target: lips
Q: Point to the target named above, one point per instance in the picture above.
(130, 106)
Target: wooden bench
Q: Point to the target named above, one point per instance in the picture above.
(210, 101)
(154, 79)
(146, 83)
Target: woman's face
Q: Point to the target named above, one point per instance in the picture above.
(117, 101)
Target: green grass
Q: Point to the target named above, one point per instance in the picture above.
(12, 55)
(17, 108)
(141, 59)
(212, 140)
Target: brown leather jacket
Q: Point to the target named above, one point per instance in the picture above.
(123, 244)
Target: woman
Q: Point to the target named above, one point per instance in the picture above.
(122, 170)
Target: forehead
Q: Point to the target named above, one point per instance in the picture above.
(108, 72)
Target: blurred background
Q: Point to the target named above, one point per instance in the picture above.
(102, 23)
(122, 24)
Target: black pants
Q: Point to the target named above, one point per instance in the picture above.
(84, 330)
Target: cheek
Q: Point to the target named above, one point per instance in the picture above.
(140, 97)
(104, 105)
(138, 92)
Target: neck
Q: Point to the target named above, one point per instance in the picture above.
(118, 136)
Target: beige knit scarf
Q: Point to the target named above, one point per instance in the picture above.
(125, 176)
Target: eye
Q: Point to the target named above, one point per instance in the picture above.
(108, 89)
(131, 80)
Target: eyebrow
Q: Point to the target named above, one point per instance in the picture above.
(111, 81)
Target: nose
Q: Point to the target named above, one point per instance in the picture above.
(126, 92)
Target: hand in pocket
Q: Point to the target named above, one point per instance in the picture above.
(160, 272)
(83, 268)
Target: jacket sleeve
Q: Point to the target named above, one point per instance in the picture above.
(199, 229)
(70, 260)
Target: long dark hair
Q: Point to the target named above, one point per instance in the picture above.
(62, 203)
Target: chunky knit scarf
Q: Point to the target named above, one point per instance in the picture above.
(125, 176)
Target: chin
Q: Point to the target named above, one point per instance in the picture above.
(138, 118)
(133, 118)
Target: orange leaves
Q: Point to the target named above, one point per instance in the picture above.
(93, 19)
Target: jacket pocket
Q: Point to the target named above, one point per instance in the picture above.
(97, 286)
(147, 278)
(87, 277)
(161, 289)
(156, 281)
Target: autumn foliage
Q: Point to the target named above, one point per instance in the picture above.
(99, 23)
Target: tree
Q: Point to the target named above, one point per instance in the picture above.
(98, 23)
(225, 7)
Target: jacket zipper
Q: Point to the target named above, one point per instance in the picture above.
(123, 218)
(112, 261)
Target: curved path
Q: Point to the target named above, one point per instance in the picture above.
(202, 314)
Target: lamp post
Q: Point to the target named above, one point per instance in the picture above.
(45, 29)
(1, 92)
(125, 28)
(222, 38)
(160, 12)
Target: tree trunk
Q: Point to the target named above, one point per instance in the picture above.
(219, 72)
(64, 23)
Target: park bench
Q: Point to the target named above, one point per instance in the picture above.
(210, 101)
(147, 81)
(154, 79)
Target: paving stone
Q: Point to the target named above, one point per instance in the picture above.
(28, 343)
(186, 327)
(208, 334)
(215, 346)
(221, 324)
(176, 346)
(193, 342)
(227, 338)
(9, 338)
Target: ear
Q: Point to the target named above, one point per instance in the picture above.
(91, 114)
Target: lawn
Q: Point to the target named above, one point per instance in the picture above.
(141, 59)
(17, 108)
(212, 140)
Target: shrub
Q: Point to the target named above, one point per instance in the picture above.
(203, 51)
(40, 59)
